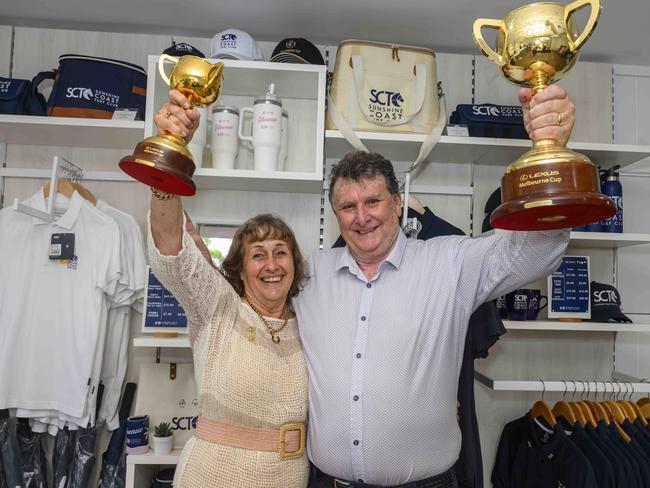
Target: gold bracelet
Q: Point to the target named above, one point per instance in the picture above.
(161, 195)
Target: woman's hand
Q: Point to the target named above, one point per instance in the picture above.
(177, 117)
(548, 115)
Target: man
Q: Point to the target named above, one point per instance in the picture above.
(383, 320)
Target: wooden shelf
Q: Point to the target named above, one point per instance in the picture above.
(151, 458)
(66, 131)
(481, 150)
(150, 341)
(556, 325)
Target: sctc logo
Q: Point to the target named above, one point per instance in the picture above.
(229, 37)
(77, 92)
(184, 423)
(485, 110)
(386, 98)
(607, 296)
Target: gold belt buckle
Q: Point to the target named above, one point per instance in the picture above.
(300, 427)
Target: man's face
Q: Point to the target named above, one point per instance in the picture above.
(368, 216)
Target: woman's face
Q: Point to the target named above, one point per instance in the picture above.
(268, 273)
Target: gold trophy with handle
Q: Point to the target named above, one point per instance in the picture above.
(550, 186)
(163, 161)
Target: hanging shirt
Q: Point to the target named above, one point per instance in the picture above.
(50, 311)
(384, 355)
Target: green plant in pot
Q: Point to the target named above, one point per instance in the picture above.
(163, 438)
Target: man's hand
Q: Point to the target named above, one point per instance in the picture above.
(177, 117)
(548, 115)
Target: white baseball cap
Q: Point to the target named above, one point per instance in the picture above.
(235, 44)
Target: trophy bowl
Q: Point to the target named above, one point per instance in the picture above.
(163, 161)
(550, 186)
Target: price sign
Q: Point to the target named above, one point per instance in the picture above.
(569, 289)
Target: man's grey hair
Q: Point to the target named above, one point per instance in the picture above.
(359, 165)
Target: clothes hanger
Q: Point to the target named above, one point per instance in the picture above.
(563, 409)
(542, 409)
(626, 406)
(63, 186)
(637, 409)
(586, 411)
(597, 409)
(577, 410)
(617, 415)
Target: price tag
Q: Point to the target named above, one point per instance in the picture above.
(125, 114)
(457, 130)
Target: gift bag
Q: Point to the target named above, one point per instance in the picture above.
(21, 97)
(91, 87)
(167, 392)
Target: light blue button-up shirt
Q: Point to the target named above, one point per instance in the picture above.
(384, 355)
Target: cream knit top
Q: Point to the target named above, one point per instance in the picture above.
(252, 383)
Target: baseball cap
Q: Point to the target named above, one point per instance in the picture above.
(296, 50)
(182, 49)
(235, 44)
(606, 304)
(493, 201)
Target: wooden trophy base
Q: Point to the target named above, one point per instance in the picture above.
(548, 188)
(162, 163)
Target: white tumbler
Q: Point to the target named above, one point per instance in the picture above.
(224, 140)
(266, 135)
(284, 147)
(199, 138)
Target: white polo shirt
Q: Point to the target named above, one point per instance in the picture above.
(50, 313)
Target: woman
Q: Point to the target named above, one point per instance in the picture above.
(248, 359)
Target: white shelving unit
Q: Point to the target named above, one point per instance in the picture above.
(556, 325)
(150, 341)
(141, 468)
(602, 386)
(302, 90)
(67, 131)
(607, 240)
(480, 150)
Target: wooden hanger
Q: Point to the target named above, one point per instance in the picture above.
(542, 409)
(643, 401)
(645, 410)
(563, 409)
(588, 414)
(67, 188)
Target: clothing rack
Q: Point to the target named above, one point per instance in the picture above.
(621, 383)
(61, 168)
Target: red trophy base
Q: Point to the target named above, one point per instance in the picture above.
(561, 193)
(163, 164)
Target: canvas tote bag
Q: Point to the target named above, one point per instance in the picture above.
(386, 87)
(167, 392)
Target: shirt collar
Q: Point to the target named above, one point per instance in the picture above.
(67, 220)
(346, 260)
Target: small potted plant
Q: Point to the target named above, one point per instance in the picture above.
(163, 438)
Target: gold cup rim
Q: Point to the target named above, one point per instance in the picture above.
(535, 4)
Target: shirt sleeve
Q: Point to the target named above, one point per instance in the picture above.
(503, 261)
(203, 291)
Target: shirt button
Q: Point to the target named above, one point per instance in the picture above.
(358, 355)
(355, 397)
(363, 318)
(356, 442)
(368, 285)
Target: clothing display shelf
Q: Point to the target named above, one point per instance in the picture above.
(301, 87)
(182, 341)
(480, 150)
(66, 131)
(141, 468)
(558, 326)
(620, 383)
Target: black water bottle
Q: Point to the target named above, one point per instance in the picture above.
(612, 188)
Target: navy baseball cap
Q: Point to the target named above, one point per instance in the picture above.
(296, 50)
(183, 49)
(606, 304)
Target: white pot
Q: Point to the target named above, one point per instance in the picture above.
(162, 445)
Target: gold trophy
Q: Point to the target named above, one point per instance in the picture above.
(550, 186)
(163, 161)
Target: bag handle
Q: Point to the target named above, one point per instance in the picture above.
(42, 76)
(420, 90)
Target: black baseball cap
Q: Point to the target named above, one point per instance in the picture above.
(296, 50)
(183, 49)
(606, 304)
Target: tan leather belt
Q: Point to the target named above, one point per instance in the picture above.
(288, 441)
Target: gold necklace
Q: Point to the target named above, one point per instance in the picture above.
(272, 331)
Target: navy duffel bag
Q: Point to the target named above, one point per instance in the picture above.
(91, 87)
(489, 120)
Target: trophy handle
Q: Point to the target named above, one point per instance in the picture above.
(480, 42)
(591, 23)
(161, 66)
